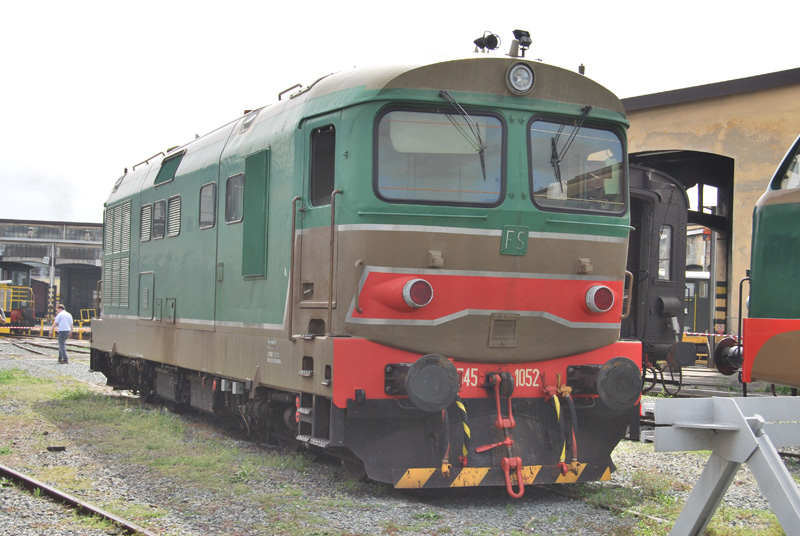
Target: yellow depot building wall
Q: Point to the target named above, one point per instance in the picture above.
(751, 121)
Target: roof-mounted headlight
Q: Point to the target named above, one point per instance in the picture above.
(519, 78)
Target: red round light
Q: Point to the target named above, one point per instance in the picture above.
(599, 299)
(417, 293)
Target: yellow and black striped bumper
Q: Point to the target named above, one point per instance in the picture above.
(429, 477)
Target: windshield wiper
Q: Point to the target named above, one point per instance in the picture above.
(473, 127)
(556, 156)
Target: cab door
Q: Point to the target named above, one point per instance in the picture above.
(316, 240)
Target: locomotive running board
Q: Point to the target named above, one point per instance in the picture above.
(737, 431)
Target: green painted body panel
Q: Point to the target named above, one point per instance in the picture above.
(222, 292)
(775, 263)
(775, 249)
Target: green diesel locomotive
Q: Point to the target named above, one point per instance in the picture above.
(418, 268)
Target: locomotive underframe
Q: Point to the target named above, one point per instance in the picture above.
(391, 440)
(399, 443)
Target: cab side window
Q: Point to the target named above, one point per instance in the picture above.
(159, 217)
(234, 199)
(208, 205)
(323, 151)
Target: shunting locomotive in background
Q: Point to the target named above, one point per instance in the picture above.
(771, 331)
(419, 269)
(16, 307)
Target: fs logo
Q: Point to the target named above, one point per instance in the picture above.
(514, 240)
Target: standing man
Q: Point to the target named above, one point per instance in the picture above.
(62, 323)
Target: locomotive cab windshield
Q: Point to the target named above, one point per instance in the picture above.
(435, 156)
(582, 173)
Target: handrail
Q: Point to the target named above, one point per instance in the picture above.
(627, 312)
(148, 160)
(741, 300)
(421, 215)
(359, 262)
(330, 272)
(290, 306)
(288, 90)
(590, 223)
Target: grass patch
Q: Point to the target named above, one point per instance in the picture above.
(132, 510)
(191, 456)
(18, 385)
(94, 522)
(66, 478)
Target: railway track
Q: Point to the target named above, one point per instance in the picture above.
(34, 344)
(76, 504)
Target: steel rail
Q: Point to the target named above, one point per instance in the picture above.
(79, 505)
(29, 349)
(71, 347)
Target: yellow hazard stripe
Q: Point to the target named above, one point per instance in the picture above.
(571, 477)
(415, 478)
(469, 477)
(474, 476)
(529, 473)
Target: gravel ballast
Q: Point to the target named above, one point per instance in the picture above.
(354, 510)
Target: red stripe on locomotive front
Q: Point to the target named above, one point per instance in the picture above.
(564, 298)
(360, 364)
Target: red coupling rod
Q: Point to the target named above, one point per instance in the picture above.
(501, 423)
(507, 442)
(513, 463)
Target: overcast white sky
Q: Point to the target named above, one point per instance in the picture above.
(88, 88)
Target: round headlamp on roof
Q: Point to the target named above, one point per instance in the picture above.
(519, 78)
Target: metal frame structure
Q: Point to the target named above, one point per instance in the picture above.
(737, 431)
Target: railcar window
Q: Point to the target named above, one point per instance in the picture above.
(665, 253)
(208, 205)
(168, 168)
(159, 217)
(702, 289)
(584, 173)
(437, 158)
(792, 177)
(234, 199)
(323, 160)
(146, 222)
